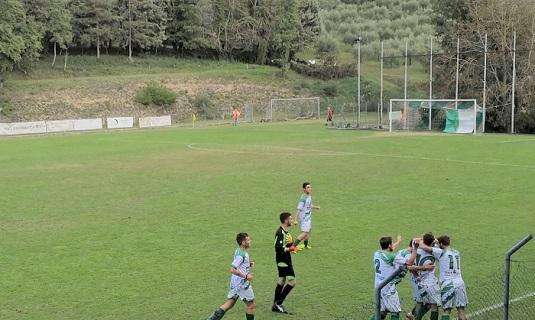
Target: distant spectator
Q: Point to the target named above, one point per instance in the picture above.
(330, 113)
(236, 117)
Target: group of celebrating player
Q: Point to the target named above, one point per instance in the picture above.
(420, 259)
(285, 246)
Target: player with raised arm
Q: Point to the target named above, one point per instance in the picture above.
(407, 257)
(284, 247)
(240, 280)
(304, 216)
(384, 266)
(453, 290)
(429, 287)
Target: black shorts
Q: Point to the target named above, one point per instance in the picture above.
(285, 270)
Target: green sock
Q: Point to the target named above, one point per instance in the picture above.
(445, 317)
(306, 243)
(296, 242)
(434, 315)
(421, 311)
(249, 316)
(394, 316)
(218, 314)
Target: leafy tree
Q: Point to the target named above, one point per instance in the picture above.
(286, 30)
(20, 38)
(59, 26)
(310, 23)
(471, 20)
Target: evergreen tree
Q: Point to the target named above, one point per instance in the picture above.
(94, 22)
(143, 23)
(184, 30)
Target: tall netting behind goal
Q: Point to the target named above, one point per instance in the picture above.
(450, 116)
(293, 109)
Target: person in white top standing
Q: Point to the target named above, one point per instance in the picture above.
(453, 289)
(304, 216)
(240, 280)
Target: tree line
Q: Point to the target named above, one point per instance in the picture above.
(258, 31)
(498, 19)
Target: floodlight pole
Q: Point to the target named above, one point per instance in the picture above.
(406, 80)
(485, 84)
(514, 85)
(430, 82)
(382, 74)
(358, 83)
(457, 75)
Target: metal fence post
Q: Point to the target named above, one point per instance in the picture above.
(381, 285)
(507, 273)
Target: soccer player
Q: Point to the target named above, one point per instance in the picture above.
(240, 280)
(452, 285)
(304, 216)
(284, 247)
(429, 287)
(384, 266)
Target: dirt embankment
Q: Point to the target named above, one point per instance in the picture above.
(102, 99)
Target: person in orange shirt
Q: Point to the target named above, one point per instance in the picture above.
(235, 116)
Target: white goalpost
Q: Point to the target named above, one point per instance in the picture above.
(286, 109)
(446, 115)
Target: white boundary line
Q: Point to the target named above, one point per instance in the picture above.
(516, 141)
(193, 146)
(499, 305)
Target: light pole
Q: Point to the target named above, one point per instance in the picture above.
(358, 41)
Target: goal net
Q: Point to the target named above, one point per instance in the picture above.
(450, 116)
(293, 109)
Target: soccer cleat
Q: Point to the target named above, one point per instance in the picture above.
(293, 249)
(308, 247)
(278, 308)
(300, 246)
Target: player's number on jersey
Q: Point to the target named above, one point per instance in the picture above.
(377, 265)
(452, 262)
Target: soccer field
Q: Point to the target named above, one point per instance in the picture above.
(141, 224)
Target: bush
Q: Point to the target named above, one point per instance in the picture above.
(204, 106)
(327, 45)
(155, 93)
(330, 89)
(6, 108)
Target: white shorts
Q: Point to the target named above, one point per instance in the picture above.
(390, 299)
(453, 294)
(430, 293)
(244, 294)
(305, 223)
(416, 289)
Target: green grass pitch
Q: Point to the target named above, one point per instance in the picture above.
(141, 224)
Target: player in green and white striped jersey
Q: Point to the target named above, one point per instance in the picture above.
(407, 257)
(384, 266)
(428, 283)
(240, 281)
(453, 289)
(304, 216)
